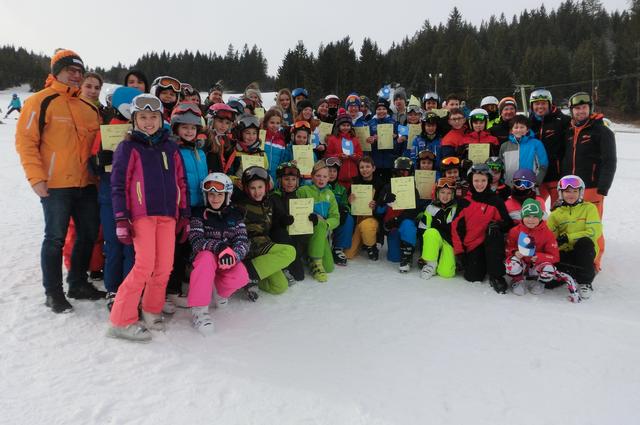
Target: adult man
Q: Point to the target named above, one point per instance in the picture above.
(549, 125)
(53, 138)
(507, 109)
(590, 153)
(400, 106)
(490, 104)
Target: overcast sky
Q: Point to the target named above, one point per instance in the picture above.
(107, 32)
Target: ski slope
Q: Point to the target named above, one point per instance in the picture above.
(370, 347)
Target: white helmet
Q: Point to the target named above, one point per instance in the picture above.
(219, 183)
(478, 114)
(571, 181)
(489, 100)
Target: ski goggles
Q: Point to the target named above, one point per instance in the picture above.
(523, 184)
(213, 186)
(426, 154)
(332, 162)
(570, 182)
(184, 107)
(445, 182)
(478, 117)
(187, 89)
(580, 99)
(495, 166)
(147, 103)
(288, 169)
(256, 172)
(451, 160)
(540, 95)
(169, 82)
(302, 125)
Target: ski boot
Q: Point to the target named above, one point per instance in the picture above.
(254, 279)
(290, 279)
(428, 270)
(406, 257)
(135, 332)
(111, 298)
(201, 320)
(86, 291)
(499, 284)
(317, 270)
(58, 303)
(373, 253)
(338, 257)
(153, 321)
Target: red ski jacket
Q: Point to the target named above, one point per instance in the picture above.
(543, 239)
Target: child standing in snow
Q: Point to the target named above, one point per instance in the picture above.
(221, 148)
(437, 249)
(429, 139)
(523, 186)
(344, 231)
(478, 231)
(274, 143)
(145, 164)
(344, 144)
(523, 150)
(300, 135)
(325, 218)
(496, 166)
(220, 243)
(577, 227)
(248, 142)
(168, 90)
(532, 247)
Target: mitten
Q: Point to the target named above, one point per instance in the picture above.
(562, 239)
(124, 232)
(313, 217)
(388, 198)
(288, 220)
(104, 157)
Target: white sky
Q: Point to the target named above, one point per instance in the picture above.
(107, 32)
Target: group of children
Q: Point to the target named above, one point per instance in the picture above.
(206, 198)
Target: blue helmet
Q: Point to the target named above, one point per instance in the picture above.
(122, 98)
(300, 92)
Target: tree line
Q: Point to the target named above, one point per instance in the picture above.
(578, 46)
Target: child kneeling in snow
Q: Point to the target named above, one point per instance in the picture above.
(532, 250)
(437, 248)
(577, 227)
(220, 243)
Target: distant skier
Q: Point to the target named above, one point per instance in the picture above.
(14, 105)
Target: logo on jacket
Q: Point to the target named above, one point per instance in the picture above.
(585, 139)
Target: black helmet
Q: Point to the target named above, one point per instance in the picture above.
(479, 169)
(255, 173)
(287, 169)
(403, 163)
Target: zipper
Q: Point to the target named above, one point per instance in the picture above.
(593, 173)
(139, 192)
(164, 160)
(575, 141)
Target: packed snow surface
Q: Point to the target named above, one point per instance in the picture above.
(371, 346)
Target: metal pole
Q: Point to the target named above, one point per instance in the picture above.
(523, 94)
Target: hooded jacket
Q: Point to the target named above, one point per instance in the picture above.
(528, 152)
(543, 239)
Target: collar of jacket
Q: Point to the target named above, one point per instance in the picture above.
(252, 148)
(158, 137)
(589, 122)
(65, 89)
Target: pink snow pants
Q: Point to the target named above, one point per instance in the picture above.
(153, 241)
(206, 273)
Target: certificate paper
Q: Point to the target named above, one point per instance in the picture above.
(250, 160)
(363, 195)
(112, 135)
(362, 133)
(414, 131)
(303, 155)
(404, 188)
(385, 136)
(300, 210)
(324, 129)
(425, 179)
(478, 153)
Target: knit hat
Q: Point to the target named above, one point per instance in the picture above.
(505, 101)
(342, 118)
(352, 99)
(382, 102)
(64, 57)
(304, 104)
(531, 207)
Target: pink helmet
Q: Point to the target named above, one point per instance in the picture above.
(222, 110)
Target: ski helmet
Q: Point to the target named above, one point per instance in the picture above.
(571, 181)
(426, 154)
(287, 169)
(247, 121)
(540, 94)
(222, 111)
(479, 169)
(186, 113)
(430, 118)
(450, 163)
(495, 163)
(217, 182)
(145, 102)
(255, 173)
(122, 98)
(431, 95)
(237, 104)
(444, 183)
(299, 91)
(478, 114)
(524, 179)
(403, 163)
(489, 100)
(332, 99)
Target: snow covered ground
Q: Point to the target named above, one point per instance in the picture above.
(371, 346)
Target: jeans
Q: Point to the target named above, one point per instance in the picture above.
(58, 208)
(118, 256)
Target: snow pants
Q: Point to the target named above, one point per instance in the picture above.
(181, 255)
(299, 242)
(365, 233)
(549, 190)
(407, 232)
(206, 274)
(118, 257)
(269, 268)
(579, 262)
(319, 246)
(153, 240)
(591, 195)
(343, 234)
(96, 263)
(435, 248)
(488, 258)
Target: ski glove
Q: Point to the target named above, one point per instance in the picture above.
(124, 232)
(562, 239)
(313, 217)
(182, 229)
(388, 198)
(105, 157)
(226, 258)
(288, 220)
(392, 224)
